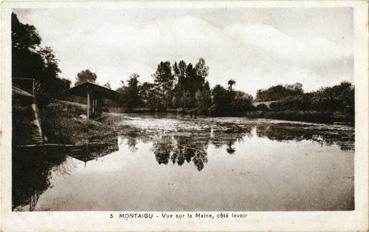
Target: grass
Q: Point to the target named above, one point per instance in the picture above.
(61, 123)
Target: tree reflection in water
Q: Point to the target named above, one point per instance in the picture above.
(179, 149)
(228, 134)
(162, 149)
(192, 147)
(345, 139)
(183, 146)
(230, 149)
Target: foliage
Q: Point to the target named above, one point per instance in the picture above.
(184, 86)
(337, 98)
(221, 101)
(147, 93)
(262, 107)
(164, 80)
(31, 61)
(231, 82)
(192, 90)
(279, 92)
(229, 102)
(330, 99)
(133, 98)
(85, 76)
(327, 105)
(130, 95)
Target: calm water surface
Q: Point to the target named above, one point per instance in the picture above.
(170, 163)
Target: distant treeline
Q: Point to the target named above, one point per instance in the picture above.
(291, 97)
(184, 87)
(328, 104)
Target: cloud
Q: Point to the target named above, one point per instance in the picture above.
(255, 55)
(285, 46)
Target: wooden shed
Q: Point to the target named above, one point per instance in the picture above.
(94, 94)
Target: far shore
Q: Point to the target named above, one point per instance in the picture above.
(288, 115)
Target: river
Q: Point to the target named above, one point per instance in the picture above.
(160, 163)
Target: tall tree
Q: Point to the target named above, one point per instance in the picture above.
(164, 79)
(133, 98)
(202, 70)
(26, 61)
(231, 82)
(179, 69)
(147, 94)
(85, 76)
(31, 61)
(203, 99)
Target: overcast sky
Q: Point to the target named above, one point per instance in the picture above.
(257, 47)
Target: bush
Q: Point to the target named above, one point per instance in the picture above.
(262, 107)
(305, 116)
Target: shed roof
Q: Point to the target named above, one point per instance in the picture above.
(21, 92)
(81, 90)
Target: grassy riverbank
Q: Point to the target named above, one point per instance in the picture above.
(63, 122)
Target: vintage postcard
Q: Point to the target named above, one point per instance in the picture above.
(184, 116)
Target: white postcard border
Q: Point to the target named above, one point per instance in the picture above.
(356, 220)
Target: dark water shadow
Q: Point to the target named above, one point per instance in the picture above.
(32, 167)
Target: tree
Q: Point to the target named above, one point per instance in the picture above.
(24, 36)
(279, 92)
(178, 99)
(26, 61)
(31, 61)
(230, 102)
(221, 101)
(240, 102)
(164, 79)
(203, 99)
(85, 76)
(132, 95)
(202, 70)
(231, 82)
(51, 68)
(147, 94)
(191, 85)
(66, 83)
(337, 98)
(107, 85)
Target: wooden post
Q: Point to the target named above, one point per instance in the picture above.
(88, 105)
(95, 106)
(33, 87)
(92, 100)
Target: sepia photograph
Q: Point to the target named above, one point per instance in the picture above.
(183, 109)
